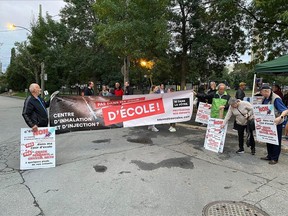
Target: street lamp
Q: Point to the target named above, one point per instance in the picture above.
(148, 65)
(12, 27)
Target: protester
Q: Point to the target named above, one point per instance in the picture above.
(240, 94)
(269, 97)
(118, 91)
(128, 90)
(172, 127)
(154, 90)
(201, 96)
(212, 90)
(105, 91)
(34, 111)
(243, 111)
(285, 98)
(89, 91)
(162, 89)
(219, 102)
(277, 90)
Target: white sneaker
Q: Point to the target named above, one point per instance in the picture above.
(154, 129)
(173, 129)
(170, 128)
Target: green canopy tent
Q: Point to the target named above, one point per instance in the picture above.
(278, 66)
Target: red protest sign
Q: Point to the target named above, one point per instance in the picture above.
(126, 112)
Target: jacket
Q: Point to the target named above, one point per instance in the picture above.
(128, 90)
(34, 113)
(240, 94)
(217, 101)
(118, 92)
(88, 91)
(243, 108)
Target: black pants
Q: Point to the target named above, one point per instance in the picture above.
(274, 150)
(241, 129)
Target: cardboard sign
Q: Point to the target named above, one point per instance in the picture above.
(37, 148)
(215, 136)
(266, 130)
(203, 113)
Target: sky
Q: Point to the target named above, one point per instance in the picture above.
(21, 13)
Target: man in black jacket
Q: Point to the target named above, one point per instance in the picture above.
(240, 94)
(128, 90)
(34, 111)
(89, 91)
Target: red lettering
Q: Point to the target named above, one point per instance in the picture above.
(28, 145)
(130, 111)
(27, 153)
(263, 109)
(40, 132)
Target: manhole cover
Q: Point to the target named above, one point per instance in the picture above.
(232, 208)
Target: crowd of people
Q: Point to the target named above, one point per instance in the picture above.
(223, 106)
(107, 91)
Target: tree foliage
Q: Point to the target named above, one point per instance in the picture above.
(205, 34)
(188, 40)
(268, 28)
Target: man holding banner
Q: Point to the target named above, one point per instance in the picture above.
(271, 98)
(34, 111)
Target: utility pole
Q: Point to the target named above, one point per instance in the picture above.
(42, 79)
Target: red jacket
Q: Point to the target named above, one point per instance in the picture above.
(118, 92)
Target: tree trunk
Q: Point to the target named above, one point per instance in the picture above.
(183, 69)
(36, 73)
(125, 69)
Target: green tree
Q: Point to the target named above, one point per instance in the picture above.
(22, 69)
(267, 28)
(205, 34)
(87, 59)
(133, 29)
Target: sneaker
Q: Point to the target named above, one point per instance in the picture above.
(170, 128)
(234, 130)
(253, 151)
(150, 127)
(154, 129)
(240, 151)
(173, 129)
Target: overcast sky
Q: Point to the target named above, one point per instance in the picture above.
(21, 13)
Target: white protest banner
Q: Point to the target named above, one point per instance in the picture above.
(203, 113)
(215, 136)
(75, 113)
(155, 109)
(266, 130)
(37, 148)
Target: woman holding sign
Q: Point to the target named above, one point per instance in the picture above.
(243, 111)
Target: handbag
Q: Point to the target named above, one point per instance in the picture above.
(250, 125)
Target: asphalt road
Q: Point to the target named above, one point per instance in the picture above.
(133, 171)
